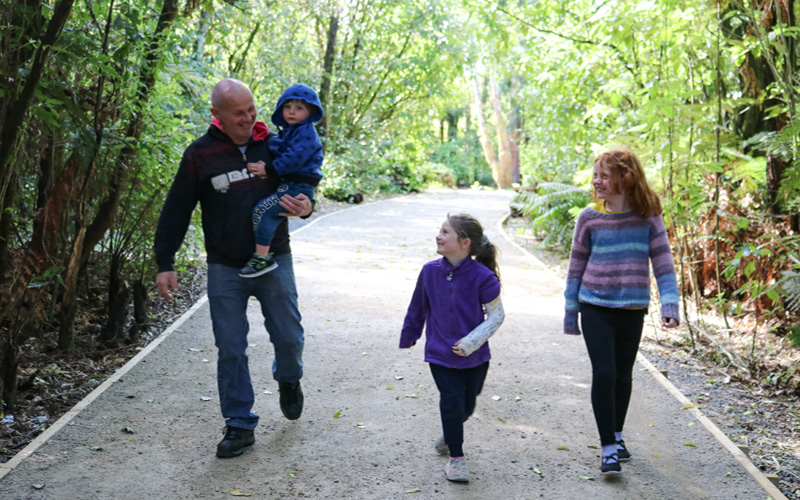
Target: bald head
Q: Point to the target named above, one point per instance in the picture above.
(232, 104)
(227, 88)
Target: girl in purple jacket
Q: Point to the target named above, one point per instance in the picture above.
(458, 297)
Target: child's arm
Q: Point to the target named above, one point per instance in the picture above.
(258, 168)
(477, 337)
(417, 313)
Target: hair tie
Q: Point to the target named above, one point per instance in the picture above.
(485, 240)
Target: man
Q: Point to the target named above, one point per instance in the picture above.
(213, 171)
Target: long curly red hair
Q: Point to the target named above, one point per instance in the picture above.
(628, 177)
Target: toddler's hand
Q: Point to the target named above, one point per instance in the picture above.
(257, 168)
(458, 351)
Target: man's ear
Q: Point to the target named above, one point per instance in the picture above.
(215, 112)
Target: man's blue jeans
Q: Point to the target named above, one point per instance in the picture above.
(228, 296)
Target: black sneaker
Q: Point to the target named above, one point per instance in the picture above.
(610, 465)
(234, 442)
(258, 265)
(291, 400)
(622, 452)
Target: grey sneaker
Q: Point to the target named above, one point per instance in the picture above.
(440, 446)
(257, 266)
(456, 470)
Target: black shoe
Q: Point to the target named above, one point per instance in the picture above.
(258, 266)
(234, 442)
(610, 465)
(622, 452)
(291, 400)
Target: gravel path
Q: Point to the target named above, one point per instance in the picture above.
(371, 408)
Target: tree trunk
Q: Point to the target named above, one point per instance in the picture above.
(327, 78)
(505, 165)
(141, 323)
(114, 329)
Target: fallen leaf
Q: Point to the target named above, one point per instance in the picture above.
(267, 391)
(291, 475)
(537, 470)
(337, 414)
(399, 377)
(195, 350)
(586, 478)
(518, 398)
(497, 398)
(687, 443)
(501, 419)
(413, 396)
(39, 486)
(562, 448)
(238, 493)
(128, 430)
(688, 405)
(205, 398)
(206, 361)
(690, 424)
(415, 490)
(593, 446)
(96, 448)
(360, 425)
(389, 387)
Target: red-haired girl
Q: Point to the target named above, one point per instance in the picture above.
(608, 282)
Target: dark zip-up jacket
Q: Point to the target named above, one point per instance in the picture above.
(214, 173)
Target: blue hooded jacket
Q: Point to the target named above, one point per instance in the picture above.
(297, 150)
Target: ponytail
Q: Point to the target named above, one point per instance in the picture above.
(484, 251)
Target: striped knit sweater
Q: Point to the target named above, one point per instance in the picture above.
(609, 265)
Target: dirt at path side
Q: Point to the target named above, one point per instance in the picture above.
(371, 411)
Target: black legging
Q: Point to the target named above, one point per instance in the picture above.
(458, 391)
(612, 338)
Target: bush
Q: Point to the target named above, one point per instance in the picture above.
(552, 209)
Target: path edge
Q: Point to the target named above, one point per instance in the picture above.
(30, 449)
(773, 492)
(73, 412)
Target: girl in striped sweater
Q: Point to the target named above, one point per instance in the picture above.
(608, 282)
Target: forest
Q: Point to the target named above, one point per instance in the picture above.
(101, 97)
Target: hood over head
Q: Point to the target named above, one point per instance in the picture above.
(299, 92)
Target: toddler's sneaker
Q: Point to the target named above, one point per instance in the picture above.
(258, 265)
(440, 446)
(456, 470)
(610, 464)
(622, 452)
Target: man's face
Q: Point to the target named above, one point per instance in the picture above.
(237, 114)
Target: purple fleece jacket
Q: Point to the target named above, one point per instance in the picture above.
(451, 310)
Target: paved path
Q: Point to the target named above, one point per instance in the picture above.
(371, 409)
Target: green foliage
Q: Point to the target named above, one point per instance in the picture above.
(552, 209)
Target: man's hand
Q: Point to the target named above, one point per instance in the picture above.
(298, 206)
(165, 281)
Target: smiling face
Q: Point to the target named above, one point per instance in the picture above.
(236, 111)
(450, 246)
(602, 183)
(295, 111)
